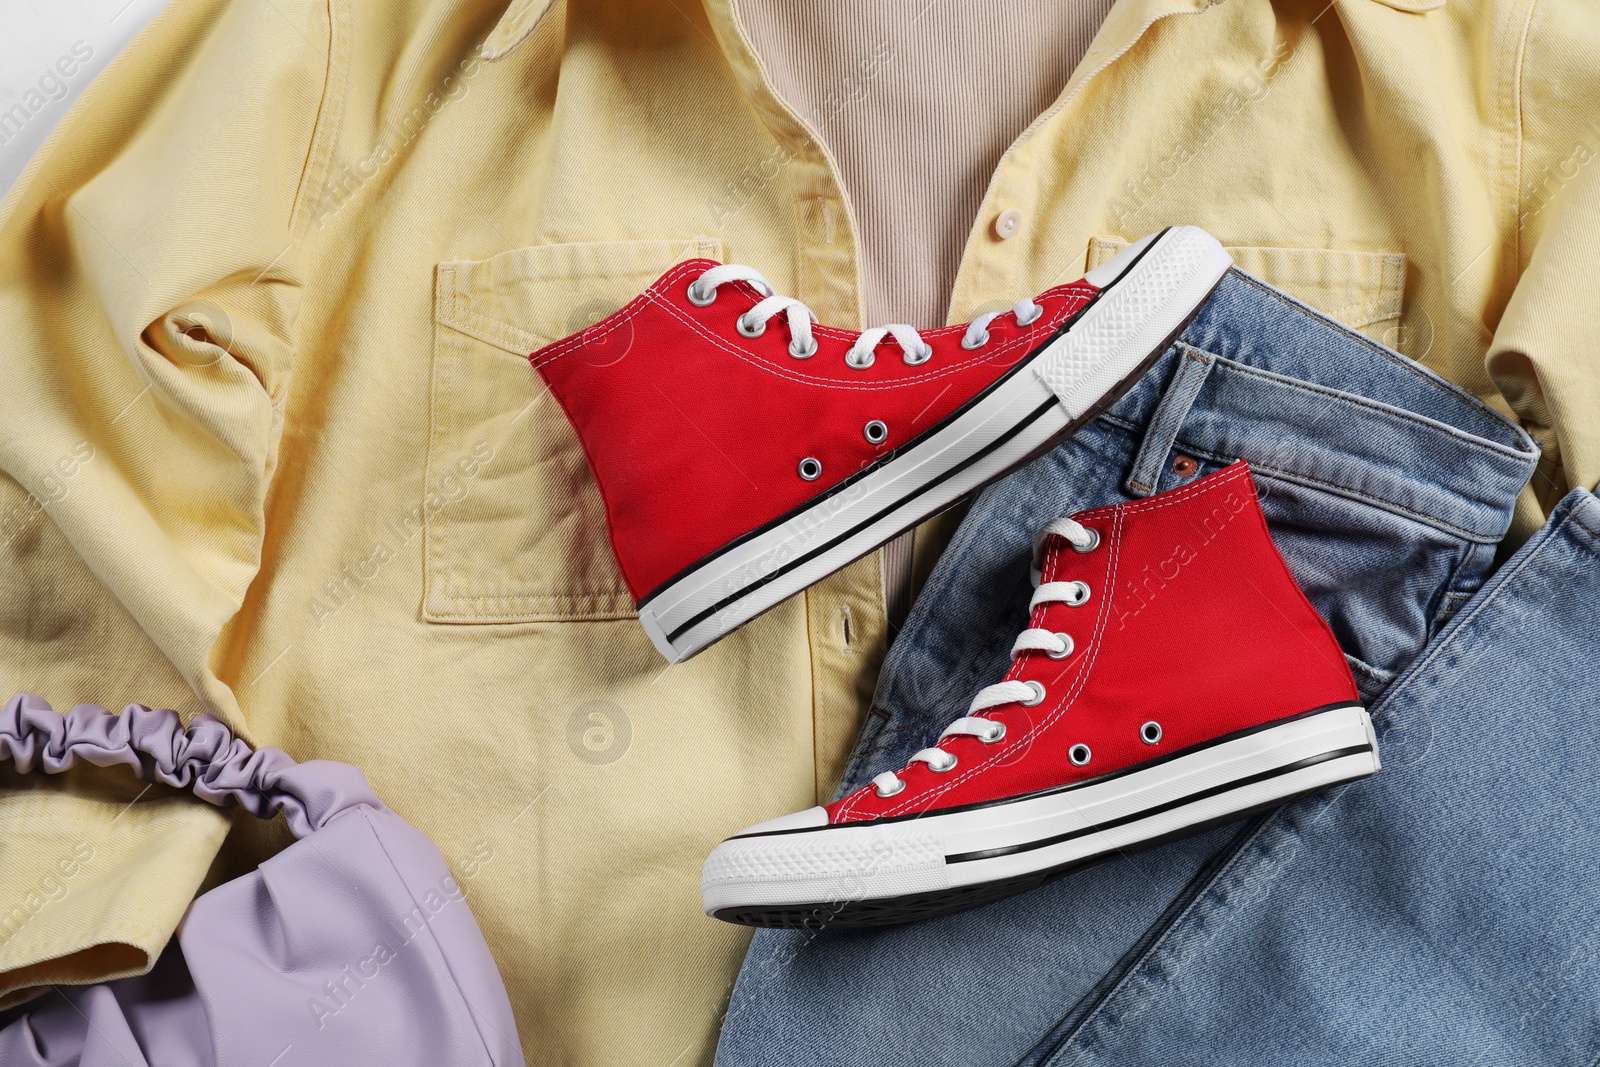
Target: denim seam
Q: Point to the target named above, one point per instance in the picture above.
(1450, 605)
(1381, 677)
(1330, 323)
(1404, 414)
(1160, 944)
(1503, 578)
(1402, 362)
(1168, 499)
(1577, 520)
(1444, 525)
(1159, 947)
(1483, 598)
(1438, 602)
(1171, 411)
(1430, 520)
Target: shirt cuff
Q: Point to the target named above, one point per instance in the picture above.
(94, 876)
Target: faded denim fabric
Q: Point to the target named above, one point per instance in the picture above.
(1386, 489)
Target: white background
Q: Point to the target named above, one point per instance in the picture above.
(37, 33)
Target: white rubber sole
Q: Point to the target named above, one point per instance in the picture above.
(798, 871)
(1149, 291)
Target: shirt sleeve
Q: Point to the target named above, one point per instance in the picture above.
(150, 273)
(1545, 353)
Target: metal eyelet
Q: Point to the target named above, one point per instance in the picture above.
(1080, 595)
(803, 353)
(1079, 754)
(1037, 311)
(979, 343)
(701, 297)
(919, 357)
(948, 766)
(746, 329)
(1038, 694)
(899, 787)
(810, 468)
(875, 432)
(860, 360)
(1094, 541)
(994, 735)
(1150, 733)
(1066, 647)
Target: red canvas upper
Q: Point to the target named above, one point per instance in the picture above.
(1193, 621)
(695, 433)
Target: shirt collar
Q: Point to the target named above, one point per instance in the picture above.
(1124, 24)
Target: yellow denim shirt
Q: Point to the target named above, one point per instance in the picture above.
(272, 449)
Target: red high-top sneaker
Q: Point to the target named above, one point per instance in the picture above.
(741, 460)
(1172, 676)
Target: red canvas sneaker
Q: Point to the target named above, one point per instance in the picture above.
(1172, 676)
(744, 453)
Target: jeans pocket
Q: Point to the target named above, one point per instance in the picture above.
(1384, 580)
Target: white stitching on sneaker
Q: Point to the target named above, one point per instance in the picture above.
(1034, 639)
(914, 350)
(1112, 514)
(652, 297)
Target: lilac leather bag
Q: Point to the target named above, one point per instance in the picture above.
(352, 946)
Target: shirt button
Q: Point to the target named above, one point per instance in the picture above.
(1008, 223)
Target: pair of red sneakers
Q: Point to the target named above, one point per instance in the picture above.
(744, 452)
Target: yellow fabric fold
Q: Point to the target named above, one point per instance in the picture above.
(98, 871)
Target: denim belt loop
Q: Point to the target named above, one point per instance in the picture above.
(1167, 419)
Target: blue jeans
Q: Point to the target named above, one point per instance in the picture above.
(1439, 913)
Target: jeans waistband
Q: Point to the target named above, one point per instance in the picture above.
(1259, 375)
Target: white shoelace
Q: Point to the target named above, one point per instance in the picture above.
(1033, 639)
(802, 345)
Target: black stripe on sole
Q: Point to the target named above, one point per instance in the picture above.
(1110, 397)
(894, 453)
(1204, 794)
(1132, 768)
(886, 911)
(745, 590)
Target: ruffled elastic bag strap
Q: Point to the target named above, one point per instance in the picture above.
(205, 758)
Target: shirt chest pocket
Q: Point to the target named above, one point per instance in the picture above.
(513, 526)
(1362, 290)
